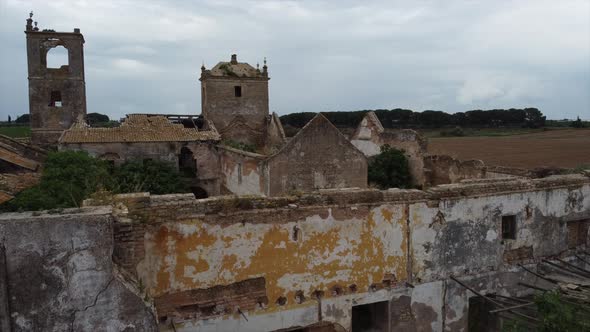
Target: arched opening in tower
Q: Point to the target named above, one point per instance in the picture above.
(57, 57)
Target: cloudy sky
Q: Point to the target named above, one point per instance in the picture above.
(145, 56)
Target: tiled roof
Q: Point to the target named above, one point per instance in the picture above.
(138, 128)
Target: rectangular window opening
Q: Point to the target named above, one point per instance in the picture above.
(577, 233)
(508, 227)
(238, 91)
(55, 99)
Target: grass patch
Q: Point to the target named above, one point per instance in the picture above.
(16, 131)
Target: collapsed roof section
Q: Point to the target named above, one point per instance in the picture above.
(138, 128)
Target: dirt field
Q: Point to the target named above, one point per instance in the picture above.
(558, 148)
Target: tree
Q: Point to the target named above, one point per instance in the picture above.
(93, 118)
(578, 123)
(390, 169)
(25, 118)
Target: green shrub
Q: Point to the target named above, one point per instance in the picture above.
(154, 176)
(69, 177)
(390, 169)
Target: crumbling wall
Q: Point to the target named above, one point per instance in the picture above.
(275, 135)
(61, 277)
(50, 119)
(443, 169)
(318, 157)
(242, 172)
(370, 135)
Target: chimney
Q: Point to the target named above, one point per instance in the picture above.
(234, 59)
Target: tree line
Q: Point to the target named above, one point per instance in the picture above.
(404, 118)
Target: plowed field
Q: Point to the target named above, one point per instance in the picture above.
(557, 148)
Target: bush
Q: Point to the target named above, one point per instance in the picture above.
(154, 176)
(390, 169)
(69, 177)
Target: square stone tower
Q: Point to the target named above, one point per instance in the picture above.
(57, 96)
(234, 96)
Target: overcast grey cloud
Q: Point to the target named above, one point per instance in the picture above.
(145, 56)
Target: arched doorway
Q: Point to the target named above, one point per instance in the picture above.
(199, 192)
(187, 164)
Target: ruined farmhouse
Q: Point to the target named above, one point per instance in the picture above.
(287, 237)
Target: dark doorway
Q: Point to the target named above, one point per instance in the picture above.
(187, 164)
(479, 318)
(199, 192)
(371, 317)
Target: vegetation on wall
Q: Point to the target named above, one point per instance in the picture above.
(239, 145)
(154, 176)
(555, 314)
(389, 169)
(404, 118)
(69, 177)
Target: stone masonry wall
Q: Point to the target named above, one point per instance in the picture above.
(242, 119)
(443, 169)
(318, 157)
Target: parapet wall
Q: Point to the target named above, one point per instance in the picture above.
(208, 263)
(443, 169)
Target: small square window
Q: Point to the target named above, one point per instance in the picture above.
(508, 227)
(238, 91)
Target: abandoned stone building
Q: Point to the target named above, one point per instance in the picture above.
(335, 260)
(302, 244)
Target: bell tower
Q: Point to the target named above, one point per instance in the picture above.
(57, 93)
(234, 96)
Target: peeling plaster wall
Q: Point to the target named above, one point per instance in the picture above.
(445, 236)
(349, 246)
(242, 172)
(61, 277)
(333, 240)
